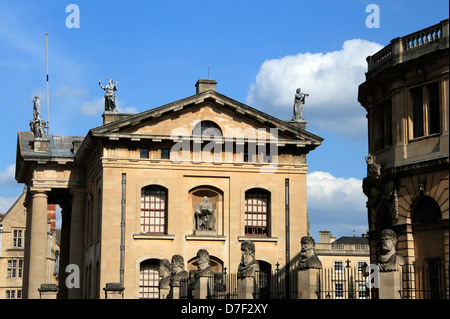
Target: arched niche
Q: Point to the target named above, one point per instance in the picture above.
(204, 223)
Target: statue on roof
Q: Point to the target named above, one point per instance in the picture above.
(37, 125)
(110, 96)
(299, 101)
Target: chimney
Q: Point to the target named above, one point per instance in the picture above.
(325, 237)
(203, 85)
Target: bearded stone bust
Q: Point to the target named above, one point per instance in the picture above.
(164, 273)
(249, 265)
(388, 258)
(203, 265)
(308, 259)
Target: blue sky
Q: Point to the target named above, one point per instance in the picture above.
(259, 52)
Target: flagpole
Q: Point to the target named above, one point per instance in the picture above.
(46, 53)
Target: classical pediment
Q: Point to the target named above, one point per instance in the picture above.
(181, 117)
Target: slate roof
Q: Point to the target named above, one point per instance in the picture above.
(349, 240)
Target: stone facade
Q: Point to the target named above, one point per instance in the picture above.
(12, 249)
(406, 96)
(130, 188)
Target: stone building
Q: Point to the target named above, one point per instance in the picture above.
(406, 96)
(203, 172)
(346, 250)
(344, 261)
(12, 248)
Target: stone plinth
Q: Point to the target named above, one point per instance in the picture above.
(164, 293)
(390, 285)
(202, 287)
(114, 291)
(48, 291)
(307, 283)
(41, 144)
(246, 288)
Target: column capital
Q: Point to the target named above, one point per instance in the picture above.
(39, 191)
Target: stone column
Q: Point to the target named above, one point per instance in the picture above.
(77, 238)
(307, 283)
(246, 288)
(203, 287)
(390, 285)
(37, 250)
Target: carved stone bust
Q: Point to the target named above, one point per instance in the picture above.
(165, 273)
(248, 265)
(309, 259)
(388, 258)
(178, 271)
(203, 265)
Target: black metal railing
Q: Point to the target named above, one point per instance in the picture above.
(343, 283)
(428, 281)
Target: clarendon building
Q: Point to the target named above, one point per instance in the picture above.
(203, 172)
(406, 96)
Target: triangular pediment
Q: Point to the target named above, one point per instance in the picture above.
(180, 118)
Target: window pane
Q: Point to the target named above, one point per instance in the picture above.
(434, 117)
(417, 112)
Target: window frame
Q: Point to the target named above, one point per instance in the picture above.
(146, 193)
(262, 230)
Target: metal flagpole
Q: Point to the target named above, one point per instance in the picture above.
(46, 50)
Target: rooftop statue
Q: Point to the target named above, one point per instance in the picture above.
(299, 101)
(110, 96)
(37, 125)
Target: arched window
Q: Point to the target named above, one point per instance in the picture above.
(149, 279)
(257, 212)
(207, 129)
(153, 210)
(427, 210)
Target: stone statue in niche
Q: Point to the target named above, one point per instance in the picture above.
(165, 273)
(178, 271)
(309, 259)
(388, 258)
(37, 125)
(110, 96)
(203, 265)
(203, 215)
(249, 265)
(299, 101)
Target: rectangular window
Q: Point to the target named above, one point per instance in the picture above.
(144, 153)
(434, 117)
(339, 291)
(417, 99)
(165, 153)
(256, 214)
(338, 267)
(153, 210)
(17, 238)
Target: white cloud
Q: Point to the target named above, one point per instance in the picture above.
(6, 203)
(331, 79)
(95, 107)
(336, 203)
(7, 176)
